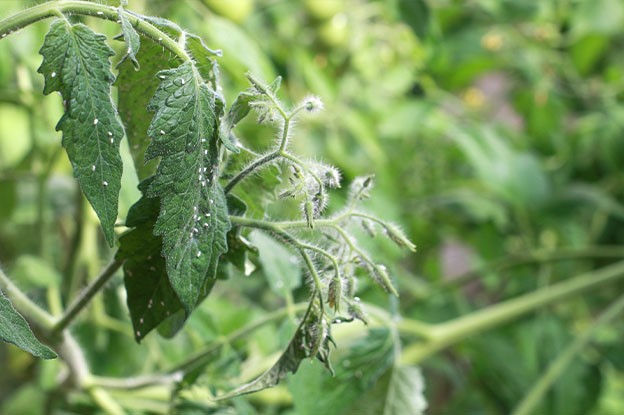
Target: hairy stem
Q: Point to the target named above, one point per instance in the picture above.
(85, 297)
(558, 366)
(451, 332)
(55, 8)
(250, 169)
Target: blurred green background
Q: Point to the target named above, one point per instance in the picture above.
(494, 128)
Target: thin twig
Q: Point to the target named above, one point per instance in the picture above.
(85, 297)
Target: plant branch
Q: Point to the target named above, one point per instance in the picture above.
(451, 332)
(539, 256)
(267, 158)
(137, 382)
(54, 8)
(85, 297)
(557, 367)
(24, 305)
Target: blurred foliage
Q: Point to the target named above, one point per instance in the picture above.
(495, 129)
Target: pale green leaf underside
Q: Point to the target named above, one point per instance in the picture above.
(405, 392)
(76, 64)
(280, 266)
(14, 329)
(193, 220)
(133, 42)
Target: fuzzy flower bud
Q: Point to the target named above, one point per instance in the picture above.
(312, 104)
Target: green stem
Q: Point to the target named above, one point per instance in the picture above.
(540, 256)
(137, 382)
(54, 8)
(105, 401)
(250, 169)
(285, 133)
(83, 299)
(31, 311)
(557, 367)
(449, 333)
(73, 257)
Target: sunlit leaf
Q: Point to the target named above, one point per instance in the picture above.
(14, 329)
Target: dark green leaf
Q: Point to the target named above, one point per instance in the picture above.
(133, 42)
(76, 64)
(193, 220)
(135, 89)
(238, 246)
(15, 330)
(416, 14)
(150, 297)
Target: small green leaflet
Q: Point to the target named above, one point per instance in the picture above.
(133, 42)
(311, 339)
(193, 220)
(202, 57)
(135, 89)
(14, 329)
(76, 64)
(239, 110)
(288, 362)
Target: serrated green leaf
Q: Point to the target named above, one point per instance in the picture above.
(405, 392)
(15, 330)
(311, 339)
(135, 90)
(133, 42)
(193, 220)
(76, 64)
(288, 362)
(280, 266)
(359, 371)
(416, 14)
(151, 299)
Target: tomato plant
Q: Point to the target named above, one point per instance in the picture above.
(224, 229)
